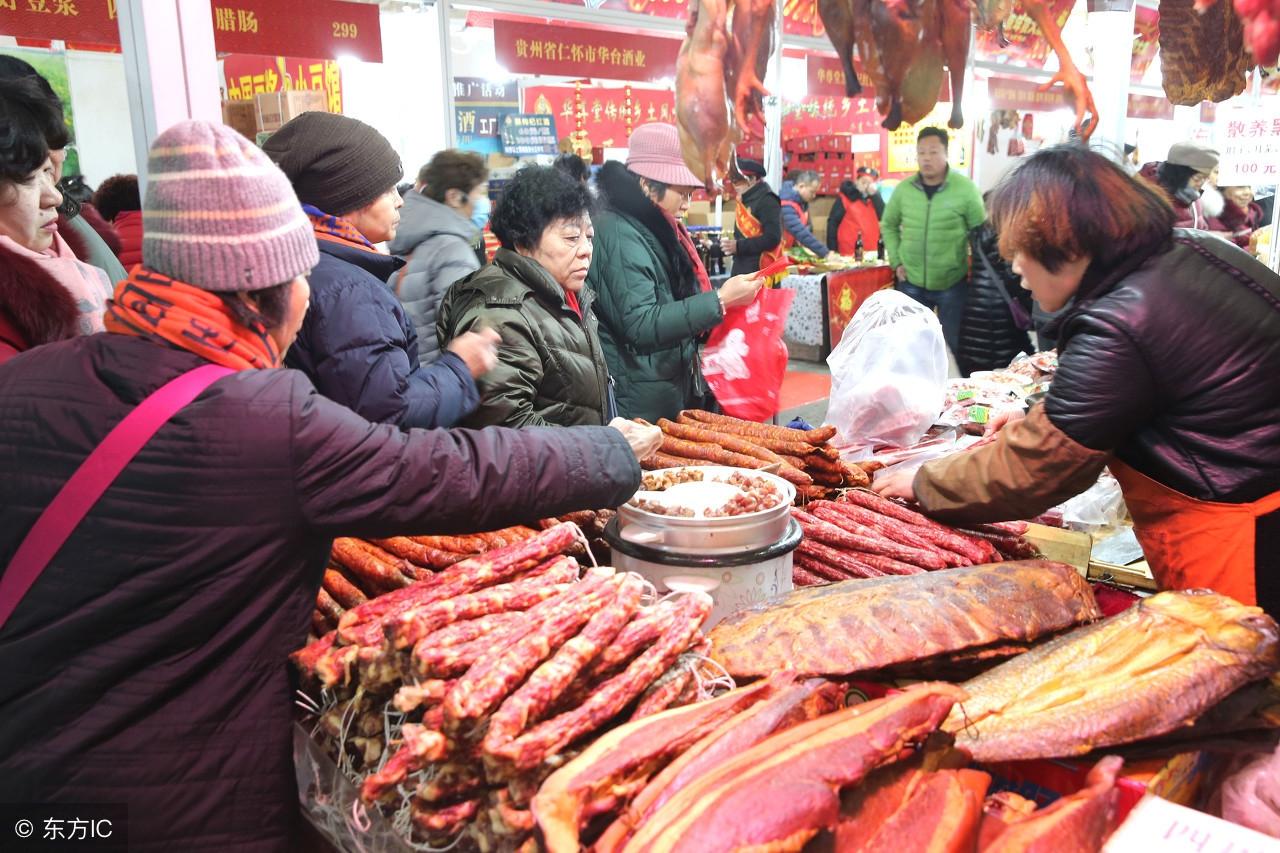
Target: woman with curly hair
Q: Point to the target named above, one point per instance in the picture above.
(551, 368)
(1167, 364)
(120, 203)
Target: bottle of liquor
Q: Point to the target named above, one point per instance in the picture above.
(880, 250)
(857, 248)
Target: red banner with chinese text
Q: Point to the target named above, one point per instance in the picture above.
(248, 76)
(800, 17)
(1014, 93)
(1146, 41)
(327, 28)
(1027, 46)
(605, 110)
(826, 76)
(545, 49)
(1149, 106)
(92, 21)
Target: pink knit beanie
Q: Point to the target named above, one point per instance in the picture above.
(219, 215)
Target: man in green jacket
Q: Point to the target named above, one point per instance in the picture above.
(926, 229)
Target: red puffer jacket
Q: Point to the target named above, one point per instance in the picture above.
(129, 228)
(147, 664)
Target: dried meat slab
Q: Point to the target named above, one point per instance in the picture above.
(1151, 670)
(867, 625)
(1202, 52)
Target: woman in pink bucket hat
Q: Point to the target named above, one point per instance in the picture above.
(655, 298)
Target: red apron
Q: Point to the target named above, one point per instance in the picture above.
(1194, 544)
(788, 239)
(859, 218)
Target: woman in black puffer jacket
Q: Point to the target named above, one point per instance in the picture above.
(990, 333)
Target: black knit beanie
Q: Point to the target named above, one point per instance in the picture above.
(336, 163)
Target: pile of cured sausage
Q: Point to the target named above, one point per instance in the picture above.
(863, 535)
(450, 700)
(804, 458)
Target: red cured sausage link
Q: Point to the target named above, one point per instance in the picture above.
(319, 625)
(304, 659)
(863, 521)
(330, 609)
(849, 565)
(813, 436)
(548, 738)
(1013, 528)
(343, 591)
(410, 628)
(796, 447)
(690, 432)
(491, 679)
(649, 624)
(1011, 547)
(406, 568)
(471, 629)
(853, 475)
(415, 552)
(549, 681)
(975, 549)
(713, 453)
(376, 575)
(413, 696)
(363, 624)
(465, 545)
(433, 661)
(804, 577)
(664, 692)
(820, 569)
(883, 565)
(868, 540)
(446, 820)
(420, 747)
(658, 461)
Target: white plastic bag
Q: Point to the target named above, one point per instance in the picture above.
(888, 373)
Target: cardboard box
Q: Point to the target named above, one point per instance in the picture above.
(242, 117)
(1065, 546)
(1157, 824)
(276, 108)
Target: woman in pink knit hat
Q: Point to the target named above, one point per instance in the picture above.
(655, 298)
(167, 508)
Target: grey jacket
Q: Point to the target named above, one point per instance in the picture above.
(439, 246)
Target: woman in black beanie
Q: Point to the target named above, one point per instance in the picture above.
(356, 343)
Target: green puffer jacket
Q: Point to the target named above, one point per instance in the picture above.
(650, 338)
(930, 237)
(551, 368)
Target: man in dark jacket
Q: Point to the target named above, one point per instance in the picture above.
(357, 345)
(146, 665)
(757, 229)
(798, 190)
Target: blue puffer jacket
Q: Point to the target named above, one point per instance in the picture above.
(360, 349)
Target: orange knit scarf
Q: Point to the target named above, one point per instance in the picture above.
(150, 305)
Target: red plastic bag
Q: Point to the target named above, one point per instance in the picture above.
(745, 360)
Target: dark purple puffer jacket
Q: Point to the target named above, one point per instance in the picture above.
(147, 664)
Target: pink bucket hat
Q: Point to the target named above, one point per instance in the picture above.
(655, 154)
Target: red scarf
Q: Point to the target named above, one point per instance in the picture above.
(150, 305)
(336, 229)
(571, 299)
(686, 242)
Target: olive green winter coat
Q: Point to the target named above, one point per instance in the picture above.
(551, 369)
(650, 338)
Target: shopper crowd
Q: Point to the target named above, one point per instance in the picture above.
(318, 350)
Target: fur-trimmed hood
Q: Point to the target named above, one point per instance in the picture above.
(620, 191)
(34, 308)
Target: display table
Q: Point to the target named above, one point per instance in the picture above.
(826, 302)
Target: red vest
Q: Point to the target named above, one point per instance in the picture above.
(859, 218)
